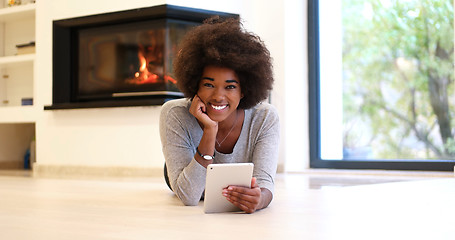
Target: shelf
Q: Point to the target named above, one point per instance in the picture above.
(18, 114)
(8, 14)
(16, 60)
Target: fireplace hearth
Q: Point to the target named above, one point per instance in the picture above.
(120, 59)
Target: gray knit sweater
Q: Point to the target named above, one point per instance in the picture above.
(180, 135)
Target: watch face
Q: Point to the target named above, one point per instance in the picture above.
(207, 157)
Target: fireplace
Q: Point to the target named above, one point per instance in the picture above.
(120, 58)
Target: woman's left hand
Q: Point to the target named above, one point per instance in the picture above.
(247, 199)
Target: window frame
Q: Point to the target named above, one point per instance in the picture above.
(314, 117)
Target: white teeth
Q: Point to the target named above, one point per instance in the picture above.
(219, 107)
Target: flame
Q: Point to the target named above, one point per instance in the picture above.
(144, 76)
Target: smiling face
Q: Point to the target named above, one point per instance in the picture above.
(220, 90)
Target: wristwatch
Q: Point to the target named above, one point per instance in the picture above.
(206, 157)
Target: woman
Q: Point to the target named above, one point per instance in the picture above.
(225, 73)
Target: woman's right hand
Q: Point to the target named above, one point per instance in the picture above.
(198, 109)
(207, 144)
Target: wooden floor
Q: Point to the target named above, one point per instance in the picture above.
(306, 206)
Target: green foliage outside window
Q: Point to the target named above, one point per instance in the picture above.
(398, 78)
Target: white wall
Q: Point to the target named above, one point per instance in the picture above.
(294, 107)
(129, 137)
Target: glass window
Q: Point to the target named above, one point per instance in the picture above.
(382, 84)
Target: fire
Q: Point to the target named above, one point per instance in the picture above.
(144, 75)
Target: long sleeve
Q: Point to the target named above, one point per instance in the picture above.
(186, 175)
(265, 127)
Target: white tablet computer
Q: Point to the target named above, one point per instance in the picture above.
(219, 176)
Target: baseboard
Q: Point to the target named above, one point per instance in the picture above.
(65, 171)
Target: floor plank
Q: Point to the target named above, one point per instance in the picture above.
(305, 206)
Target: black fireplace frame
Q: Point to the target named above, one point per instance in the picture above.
(65, 36)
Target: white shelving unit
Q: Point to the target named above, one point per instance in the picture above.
(22, 114)
(16, 60)
(9, 14)
(17, 26)
(17, 121)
